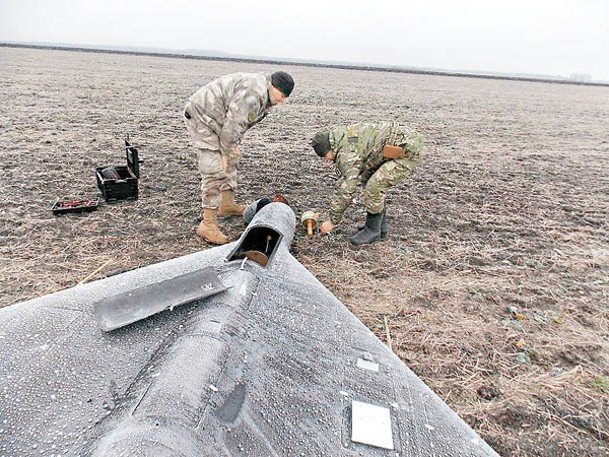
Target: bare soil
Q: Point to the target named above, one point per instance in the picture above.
(492, 286)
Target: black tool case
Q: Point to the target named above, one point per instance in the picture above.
(120, 182)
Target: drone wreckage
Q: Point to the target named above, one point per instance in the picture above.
(235, 350)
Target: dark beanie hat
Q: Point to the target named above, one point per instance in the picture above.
(321, 143)
(283, 81)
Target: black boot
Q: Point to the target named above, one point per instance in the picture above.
(371, 231)
(383, 225)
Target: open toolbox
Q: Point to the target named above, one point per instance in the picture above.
(75, 206)
(120, 182)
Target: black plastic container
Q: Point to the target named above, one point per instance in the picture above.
(120, 182)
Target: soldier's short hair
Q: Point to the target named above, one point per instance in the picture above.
(283, 81)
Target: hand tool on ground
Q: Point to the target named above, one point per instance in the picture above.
(309, 220)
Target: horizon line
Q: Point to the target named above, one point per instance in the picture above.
(222, 56)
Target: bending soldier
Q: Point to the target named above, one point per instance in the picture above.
(217, 117)
(378, 156)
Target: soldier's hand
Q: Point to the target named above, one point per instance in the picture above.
(224, 163)
(326, 227)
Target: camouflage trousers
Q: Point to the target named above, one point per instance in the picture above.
(214, 179)
(387, 175)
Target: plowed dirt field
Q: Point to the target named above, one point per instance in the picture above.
(493, 282)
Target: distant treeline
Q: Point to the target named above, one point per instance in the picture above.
(314, 64)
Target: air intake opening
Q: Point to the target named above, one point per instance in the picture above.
(258, 245)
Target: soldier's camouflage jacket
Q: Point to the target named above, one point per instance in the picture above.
(229, 106)
(358, 157)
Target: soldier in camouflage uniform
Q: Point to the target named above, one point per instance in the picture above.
(376, 155)
(217, 116)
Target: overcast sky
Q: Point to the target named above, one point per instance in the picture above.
(550, 37)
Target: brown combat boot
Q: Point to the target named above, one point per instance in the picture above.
(208, 228)
(228, 207)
